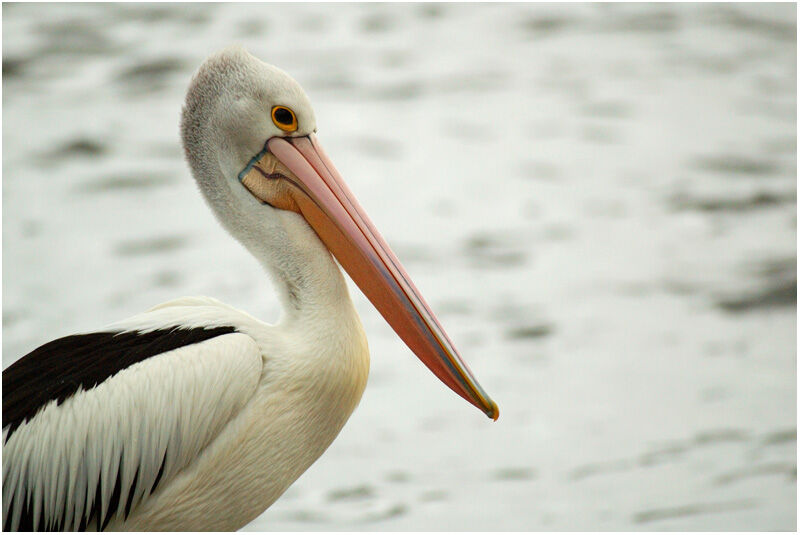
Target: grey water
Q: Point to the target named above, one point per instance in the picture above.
(598, 201)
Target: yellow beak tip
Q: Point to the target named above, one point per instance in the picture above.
(493, 411)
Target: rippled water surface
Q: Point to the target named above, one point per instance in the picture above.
(599, 202)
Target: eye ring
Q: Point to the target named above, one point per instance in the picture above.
(284, 118)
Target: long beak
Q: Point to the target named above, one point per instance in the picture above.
(323, 198)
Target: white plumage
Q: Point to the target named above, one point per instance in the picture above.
(219, 413)
(207, 432)
(166, 409)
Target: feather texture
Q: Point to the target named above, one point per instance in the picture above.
(92, 458)
(58, 369)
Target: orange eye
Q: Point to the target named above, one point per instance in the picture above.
(284, 118)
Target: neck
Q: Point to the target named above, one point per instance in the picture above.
(309, 283)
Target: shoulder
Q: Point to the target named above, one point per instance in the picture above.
(190, 301)
(57, 370)
(188, 312)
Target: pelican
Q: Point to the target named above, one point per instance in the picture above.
(195, 415)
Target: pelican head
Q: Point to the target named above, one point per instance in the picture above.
(249, 133)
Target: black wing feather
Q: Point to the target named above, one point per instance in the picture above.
(58, 369)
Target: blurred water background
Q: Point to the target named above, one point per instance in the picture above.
(599, 202)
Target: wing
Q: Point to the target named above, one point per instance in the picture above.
(115, 424)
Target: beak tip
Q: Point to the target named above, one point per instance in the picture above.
(492, 411)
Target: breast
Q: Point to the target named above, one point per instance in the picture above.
(308, 391)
